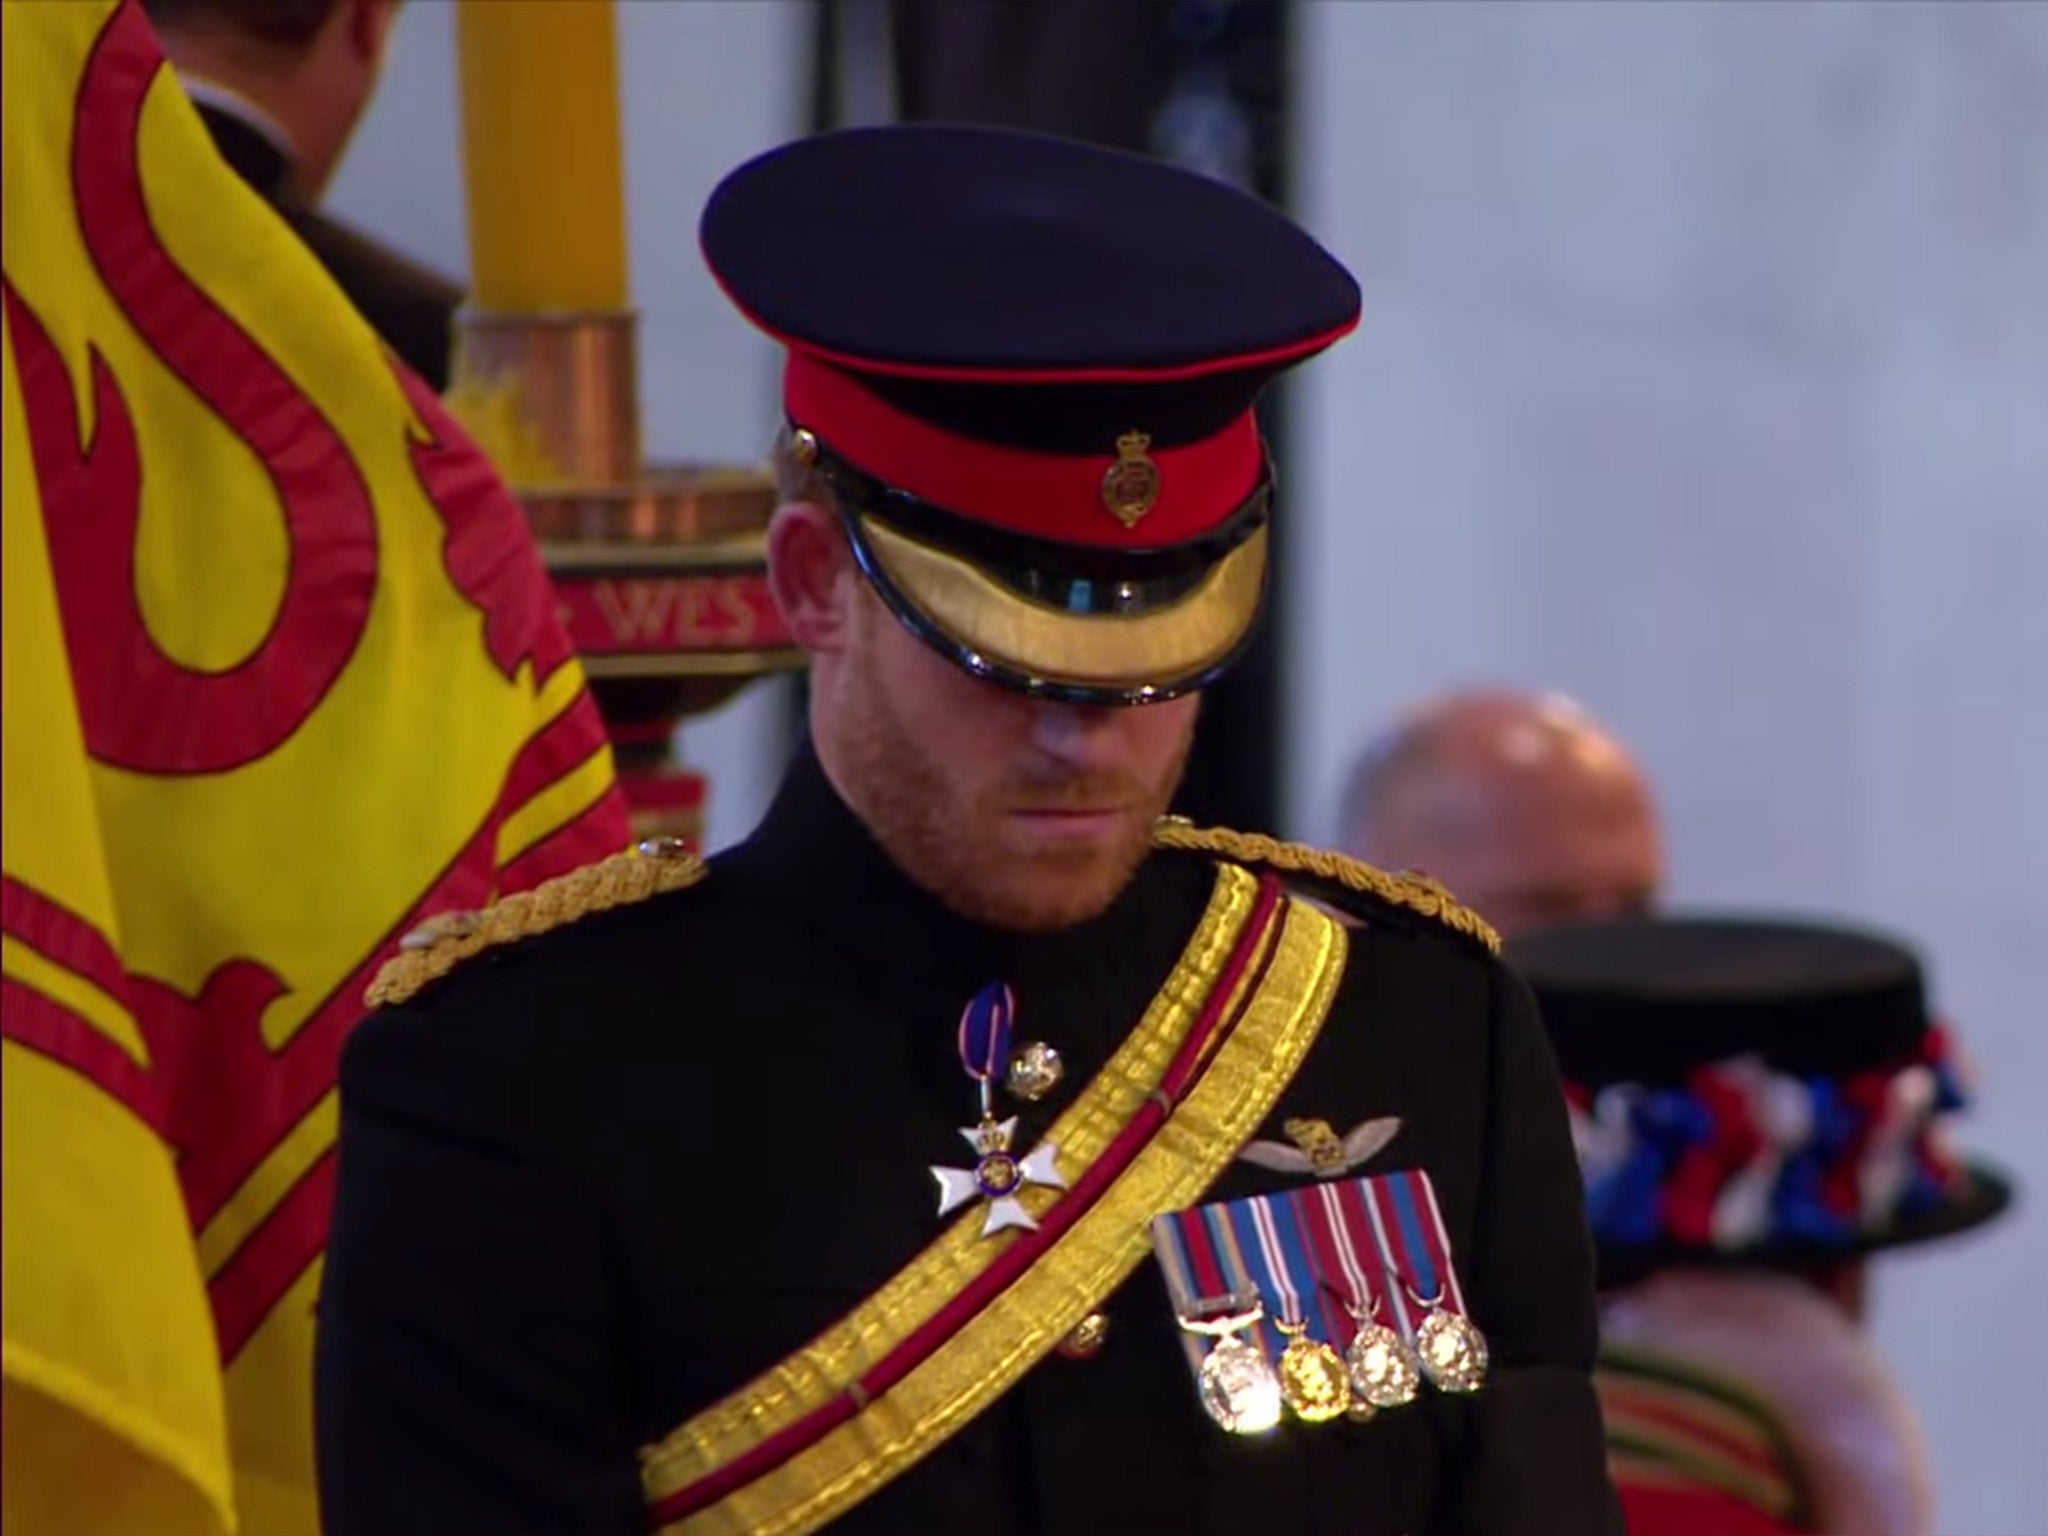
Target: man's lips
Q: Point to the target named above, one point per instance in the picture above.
(1074, 820)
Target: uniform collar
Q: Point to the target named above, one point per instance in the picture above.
(249, 138)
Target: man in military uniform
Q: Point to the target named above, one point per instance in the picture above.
(281, 85)
(1245, 1219)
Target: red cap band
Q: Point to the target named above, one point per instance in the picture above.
(1043, 495)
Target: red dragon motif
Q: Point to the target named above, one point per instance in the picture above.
(222, 1097)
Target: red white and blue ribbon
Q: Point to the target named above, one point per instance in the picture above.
(1322, 1256)
(1421, 1248)
(1740, 1155)
(1347, 1259)
(1269, 1231)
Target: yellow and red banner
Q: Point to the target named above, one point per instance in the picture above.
(283, 676)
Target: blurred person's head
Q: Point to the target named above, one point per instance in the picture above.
(1521, 803)
(310, 66)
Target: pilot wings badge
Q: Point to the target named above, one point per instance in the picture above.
(1319, 1150)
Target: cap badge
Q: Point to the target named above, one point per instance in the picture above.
(1130, 487)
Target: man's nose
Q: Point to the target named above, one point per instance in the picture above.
(1081, 736)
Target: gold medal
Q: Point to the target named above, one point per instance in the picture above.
(1452, 1350)
(1313, 1381)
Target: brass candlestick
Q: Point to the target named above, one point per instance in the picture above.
(661, 569)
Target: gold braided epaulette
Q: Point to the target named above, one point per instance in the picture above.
(445, 941)
(1416, 893)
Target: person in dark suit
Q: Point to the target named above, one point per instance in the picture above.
(974, 1148)
(281, 85)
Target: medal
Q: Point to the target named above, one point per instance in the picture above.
(1409, 1230)
(998, 1176)
(1381, 1230)
(1239, 1389)
(1453, 1352)
(1294, 1284)
(1383, 1370)
(1313, 1381)
(1382, 1366)
(1213, 1298)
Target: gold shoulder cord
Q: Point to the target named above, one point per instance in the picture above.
(1415, 893)
(444, 942)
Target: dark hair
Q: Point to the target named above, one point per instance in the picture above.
(288, 24)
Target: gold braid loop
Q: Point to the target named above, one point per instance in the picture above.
(1413, 892)
(445, 941)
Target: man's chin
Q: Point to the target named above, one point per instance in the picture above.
(1050, 890)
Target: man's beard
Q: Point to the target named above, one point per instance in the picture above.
(953, 842)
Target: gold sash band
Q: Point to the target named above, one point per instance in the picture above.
(1228, 1029)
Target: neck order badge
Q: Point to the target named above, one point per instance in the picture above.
(998, 1175)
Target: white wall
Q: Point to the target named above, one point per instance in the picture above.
(1704, 374)
(704, 85)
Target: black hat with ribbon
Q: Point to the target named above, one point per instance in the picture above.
(1754, 1092)
(1026, 368)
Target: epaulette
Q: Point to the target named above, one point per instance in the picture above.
(445, 941)
(1411, 892)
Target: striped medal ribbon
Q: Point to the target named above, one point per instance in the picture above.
(1215, 1299)
(1313, 1378)
(1399, 1211)
(1382, 1364)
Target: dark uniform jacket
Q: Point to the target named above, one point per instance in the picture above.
(412, 308)
(594, 1182)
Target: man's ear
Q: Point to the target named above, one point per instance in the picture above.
(369, 28)
(811, 575)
